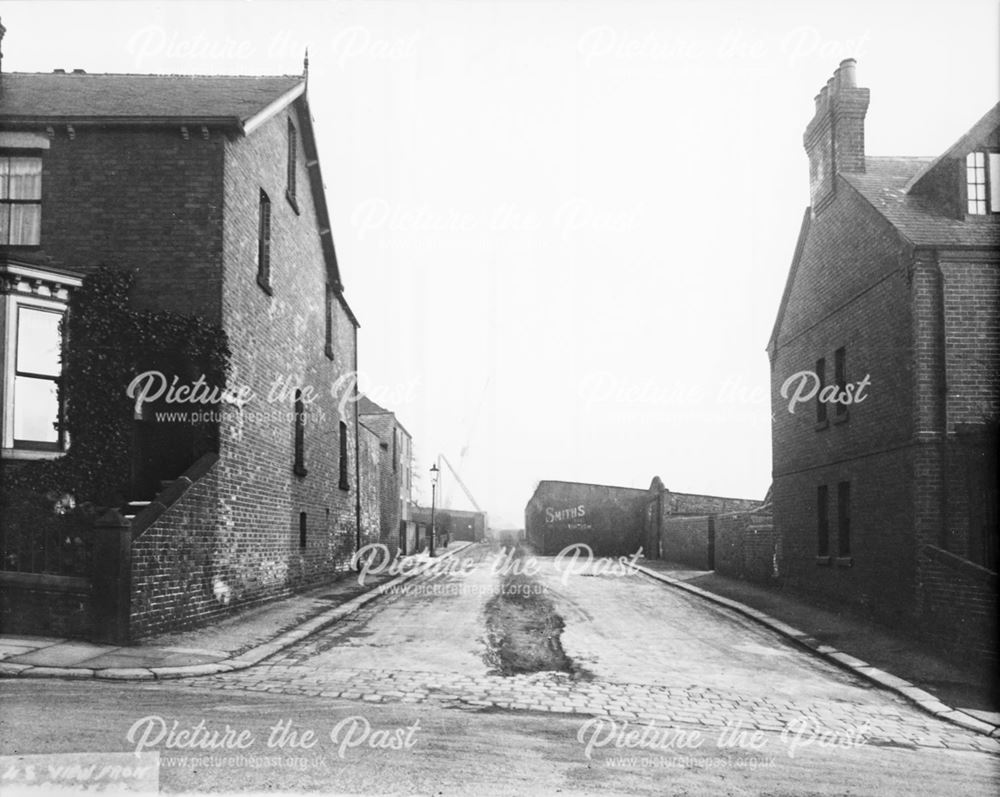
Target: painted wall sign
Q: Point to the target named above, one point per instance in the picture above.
(559, 515)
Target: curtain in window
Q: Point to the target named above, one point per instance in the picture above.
(25, 178)
(21, 211)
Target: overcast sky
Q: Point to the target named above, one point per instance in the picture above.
(564, 227)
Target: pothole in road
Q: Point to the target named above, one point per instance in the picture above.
(523, 629)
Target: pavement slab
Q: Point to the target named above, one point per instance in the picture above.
(63, 654)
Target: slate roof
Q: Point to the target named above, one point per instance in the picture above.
(234, 101)
(224, 98)
(982, 131)
(368, 407)
(919, 219)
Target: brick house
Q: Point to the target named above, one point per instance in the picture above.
(396, 471)
(209, 190)
(370, 455)
(884, 362)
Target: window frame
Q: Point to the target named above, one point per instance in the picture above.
(822, 524)
(264, 242)
(822, 416)
(344, 480)
(990, 182)
(328, 348)
(291, 167)
(299, 425)
(57, 286)
(840, 379)
(6, 204)
(38, 445)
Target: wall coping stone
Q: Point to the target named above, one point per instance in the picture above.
(173, 493)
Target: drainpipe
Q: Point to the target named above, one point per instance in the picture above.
(357, 454)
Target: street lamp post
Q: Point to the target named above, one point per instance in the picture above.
(434, 476)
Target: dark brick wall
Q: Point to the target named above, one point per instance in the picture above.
(971, 301)
(611, 522)
(972, 339)
(143, 199)
(748, 547)
(58, 611)
(959, 610)
(685, 540)
(690, 504)
(850, 290)
(924, 327)
(738, 544)
(879, 575)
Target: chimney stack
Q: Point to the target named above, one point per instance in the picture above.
(835, 138)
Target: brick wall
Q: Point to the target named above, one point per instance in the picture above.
(690, 504)
(253, 528)
(685, 540)
(143, 199)
(46, 606)
(186, 567)
(371, 508)
(391, 474)
(282, 337)
(959, 611)
(850, 291)
(611, 521)
(742, 544)
(972, 339)
(971, 303)
(747, 547)
(878, 575)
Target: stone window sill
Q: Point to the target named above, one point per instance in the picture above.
(31, 453)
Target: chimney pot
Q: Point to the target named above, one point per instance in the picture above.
(848, 73)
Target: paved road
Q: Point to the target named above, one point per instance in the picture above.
(645, 653)
(455, 752)
(665, 698)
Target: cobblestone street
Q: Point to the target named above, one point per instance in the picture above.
(642, 652)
